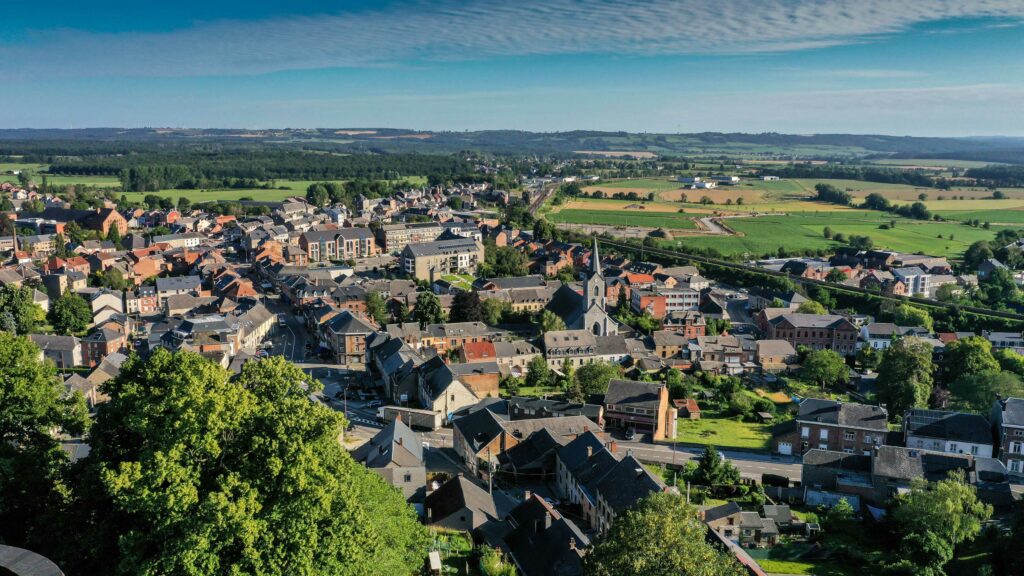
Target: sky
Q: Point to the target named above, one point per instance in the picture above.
(902, 67)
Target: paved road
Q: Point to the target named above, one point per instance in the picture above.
(750, 465)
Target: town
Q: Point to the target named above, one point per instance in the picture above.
(528, 386)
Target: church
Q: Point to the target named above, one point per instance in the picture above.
(585, 311)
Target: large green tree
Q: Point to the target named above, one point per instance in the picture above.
(428, 309)
(466, 307)
(193, 472)
(932, 519)
(977, 391)
(907, 315)
(376, 308)
(905, 375)
(18, 312)
(538, 373)
(661, 536)
(825, 367)
(33, 469)
(967, 356)
(550, 322)
(593, 377)
(714, 470)
(70, 313)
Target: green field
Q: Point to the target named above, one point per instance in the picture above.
(626, 218)
(652, 184)
(800, 231)
(931, 162)
(723, 432)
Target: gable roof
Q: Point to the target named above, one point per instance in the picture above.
(456, 494)
(843, 414)
(948, 426)
(627, 483)
(542, 542)
(395, 444)
(633, 393)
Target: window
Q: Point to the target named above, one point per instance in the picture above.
(823, 434)
(848, 435)
(408, 477)
(848, 450)
(974, 450)
(1014, 465)
(822, 446)
(805, 432)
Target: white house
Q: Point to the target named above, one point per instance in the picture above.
(949, 432)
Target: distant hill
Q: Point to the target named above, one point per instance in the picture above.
(387, 141)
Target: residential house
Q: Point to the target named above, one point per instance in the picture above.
(815, 331)
(1008, 422)
(540, 541)
(101, 343)
(460, 505)
(64, 351)
(775, 355)
(642, 406)
(832, 425)
(345, 335)
(950, 432)
(396, 453)
(176, 285)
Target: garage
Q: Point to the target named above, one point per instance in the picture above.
(786, 448)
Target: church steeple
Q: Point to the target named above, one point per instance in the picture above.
(594, 285)
(595, 260)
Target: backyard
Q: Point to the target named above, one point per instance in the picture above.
(723, 431)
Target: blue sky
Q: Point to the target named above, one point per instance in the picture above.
(921, 67)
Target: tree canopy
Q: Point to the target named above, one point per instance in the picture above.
(428, 309)
(967, 356)
(70, 313)
(905, 375)
(825, 367)
(661, 536)
(19, 314)
(234, 476)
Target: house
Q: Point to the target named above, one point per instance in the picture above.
(625, 484)
(431, 260)
(396, 453)
(815, 331)
(916, 279)
(522, 407)
(775, 355)
(461, 505)
(101, 343)
(345, 335)
(669, 344)
(821, 424)
(176, 285)
(142, 301)
(513, 357)
(950, 432)
(64, 351)
(690, 323)
(986, 268)
(1008, 421)
(724, 354)
(440, 390)
(542, 542)
(481, 378)
(641, 406)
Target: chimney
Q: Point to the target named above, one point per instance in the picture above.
(527, 494)
(590, 451)
(547, 520)
(613, 446)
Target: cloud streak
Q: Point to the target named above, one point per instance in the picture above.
(445, 30)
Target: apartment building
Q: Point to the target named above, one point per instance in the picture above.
(831, 425)
(815, 331)
(430, 260)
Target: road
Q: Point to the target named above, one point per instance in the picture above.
(291, 339)
(750, 465)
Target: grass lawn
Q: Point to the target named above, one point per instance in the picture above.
(626, 218)
(652, 184)
(456, 551)
(535, 391)
(464, 281)
(722, 432)
(799, 558)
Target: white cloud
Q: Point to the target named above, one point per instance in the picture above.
(448, 29)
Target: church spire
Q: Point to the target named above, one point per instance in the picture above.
(595, 259)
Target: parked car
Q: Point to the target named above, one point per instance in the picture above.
(630, 434)
(373, 404)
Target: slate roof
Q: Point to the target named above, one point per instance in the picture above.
(812, 320)
(478, 428)
(1013, 411)
(948, 426)
(54, 342)
(907, 464)
(574, 453)
(721, 511)
(534, 452)
(627, 483)
(178, 283)
(395, 444)
(837, 460)
(457, 493)
(345, 322)
(633, 393)
(441, 247)
(842, 414)
(543, 542)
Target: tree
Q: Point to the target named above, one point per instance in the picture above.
(75, 233)
(428, 309)
(835, 275)
(512, 384)
(825, 367)
(70, 313)
(905, 375)
(1010, 361)
(867, 358)
(400, 313)
(717, 326)
(507, 261)
(968, 356)
(376, 308)
(111, 278)
(593, 377)
(233, 476)
(977, 253)
(661, 536)
(33, 469)
(537, 373)
(907, 315)
(317, 194)
(676, 383)
(811, 307)
(60, 246)
(932, 519)
(976, 391)
(827, 233)
(20, 313)
(184, 204)
(114, 235)
(466, 307)
(714, 470)
(494, 310)
(550, 322)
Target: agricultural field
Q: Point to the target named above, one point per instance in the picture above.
(628, 218)
(802, 231)
(930, 163)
